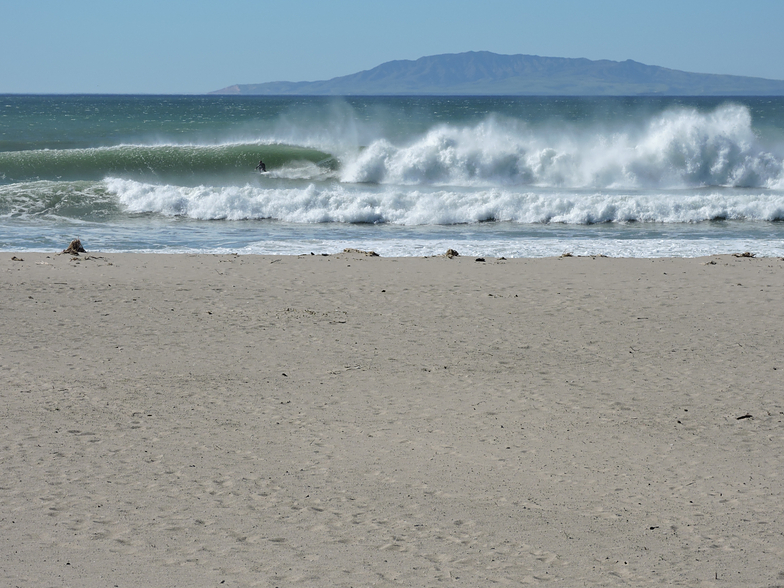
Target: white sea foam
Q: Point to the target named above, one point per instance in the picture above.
(680, 148)
(520, 247)
(319, 203)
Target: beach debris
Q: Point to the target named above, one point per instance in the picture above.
(744, 254)
(745, 416)
(75, 248)
(567, 254)
(361, 252)
(479, 259)
(450, 253)
(15, 258)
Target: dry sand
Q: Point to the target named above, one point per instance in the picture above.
(173, 420)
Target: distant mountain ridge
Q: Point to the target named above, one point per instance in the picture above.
(481, 73)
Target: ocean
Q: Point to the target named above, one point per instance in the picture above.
(402, 176)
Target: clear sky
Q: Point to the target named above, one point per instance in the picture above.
(172, 47)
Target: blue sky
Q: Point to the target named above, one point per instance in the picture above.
(170, 46)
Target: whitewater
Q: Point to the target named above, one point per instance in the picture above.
(637, 177)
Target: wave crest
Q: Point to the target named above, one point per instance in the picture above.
(678, 149)
(423, 206)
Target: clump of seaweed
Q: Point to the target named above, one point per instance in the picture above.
(75, 248)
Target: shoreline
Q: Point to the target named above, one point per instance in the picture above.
(346, 420)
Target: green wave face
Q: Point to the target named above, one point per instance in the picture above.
(161, 162)
(84, 200)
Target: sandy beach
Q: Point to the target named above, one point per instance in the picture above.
(346, 420)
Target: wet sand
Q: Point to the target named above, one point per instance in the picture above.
(200, 420)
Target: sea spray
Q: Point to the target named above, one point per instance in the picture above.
(681, 148)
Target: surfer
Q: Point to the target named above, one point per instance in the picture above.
(261, 167)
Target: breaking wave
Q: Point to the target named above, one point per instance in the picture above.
(681, 148)
(678, 166)
(432, 206)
